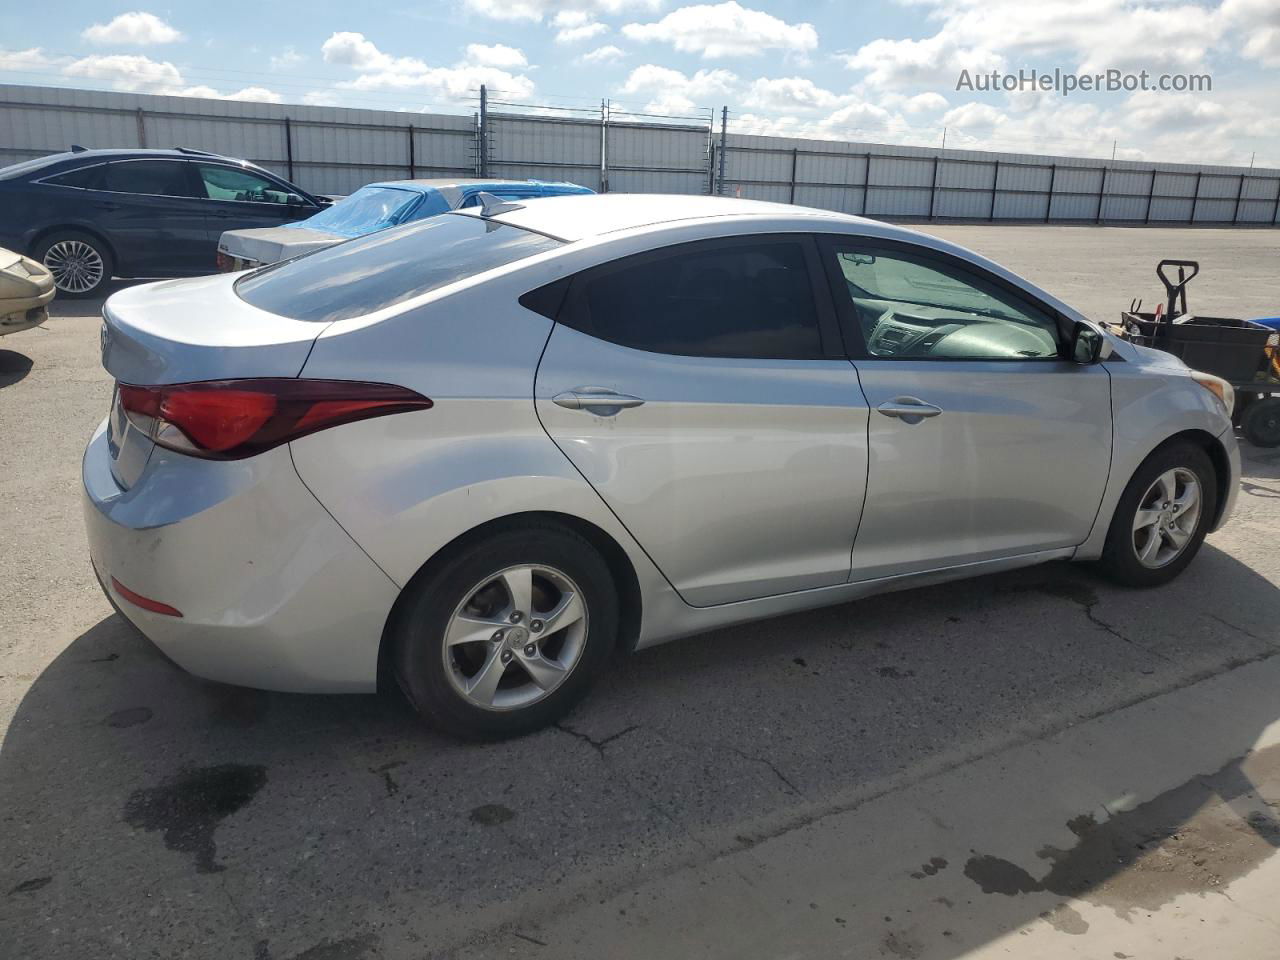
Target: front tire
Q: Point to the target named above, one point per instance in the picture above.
(1162, 517)
(505, 633)
(81, 264)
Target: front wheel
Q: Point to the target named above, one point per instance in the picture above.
(506, 633)
(81, 264)
(1162, 517)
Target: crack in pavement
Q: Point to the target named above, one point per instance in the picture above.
(1239, 629)
(768, 763)
(587, 738)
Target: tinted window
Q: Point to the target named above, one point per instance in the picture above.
(709, 299)
(382, 269)
(84, 177)
(163, 178)
(917, 307)
(231, 183)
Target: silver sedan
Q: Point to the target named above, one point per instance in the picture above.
(479, 454)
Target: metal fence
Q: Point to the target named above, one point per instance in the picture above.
(336, 150)
(917, 183)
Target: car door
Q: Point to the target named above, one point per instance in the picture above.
(702, 392)
(985, 442)
(149, 212)
(240, 199)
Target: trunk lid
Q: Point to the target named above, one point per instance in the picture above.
(270, 244)
(179, 331)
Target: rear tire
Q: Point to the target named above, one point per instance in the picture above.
(1261, 422)
(81, 264)
(1153, 533)
(475, 662)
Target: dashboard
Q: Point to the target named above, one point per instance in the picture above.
(894, 329)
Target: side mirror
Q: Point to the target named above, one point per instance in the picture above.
(1086, 344)
(294, 200)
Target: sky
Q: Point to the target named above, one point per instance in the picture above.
(882, 72)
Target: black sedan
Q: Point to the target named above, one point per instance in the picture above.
(89, 215)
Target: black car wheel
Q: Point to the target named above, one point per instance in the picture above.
(81, 264)
(1261, 422)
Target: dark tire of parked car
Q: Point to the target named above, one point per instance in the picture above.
(434, 675)
(1182, 461)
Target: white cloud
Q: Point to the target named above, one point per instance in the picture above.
(538, 9)
(380, 71)
(605, 54)
(924, 102)
(912, 63)
(974, 116)
(31, 59)
(725, 30)
(781, 94)
(135, 29)
(286, 59)
(497, 55)
(128, 72)
(584, 32)
(672, 92)
(1259, 23)
(255, 94)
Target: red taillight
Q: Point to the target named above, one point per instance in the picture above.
(231, 419)
(146, 603)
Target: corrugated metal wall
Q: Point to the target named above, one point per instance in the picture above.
(909, 183)
(336, 150)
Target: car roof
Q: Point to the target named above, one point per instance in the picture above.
(81, 156)
(578, 217)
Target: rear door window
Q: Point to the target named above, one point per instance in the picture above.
(382, 269)
(713, 298)
(85, 177)
(159, 178)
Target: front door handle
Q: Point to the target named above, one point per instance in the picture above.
(908, 409)
(598, 400)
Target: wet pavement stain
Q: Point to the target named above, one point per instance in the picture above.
(893, 673)
(1066, 919)
(491, 814)
(900, 944)
(929, 869)
(31, 886)
(190, 806)
(1186, 840)
(129, 718)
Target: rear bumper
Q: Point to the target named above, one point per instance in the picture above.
(272, 592)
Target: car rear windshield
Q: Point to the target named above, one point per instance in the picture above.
(366, 210)
(382, 269)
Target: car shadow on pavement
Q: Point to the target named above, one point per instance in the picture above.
(14, 367)
(146, 810)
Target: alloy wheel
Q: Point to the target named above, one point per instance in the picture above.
(1166, 518)
(515, 637)
(76, 266)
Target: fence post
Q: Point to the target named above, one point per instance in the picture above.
(142, 129)
(1151, 193)
(795, 159)
(1235, 213)
(1102, 192)
(933, 189)
(604, 146)
(995, 182)
(413, 165)
(1275, 207)
(483, 146)
(866, 186)
(288, 147)
(724, 133)
(1195, 200)
(1053, 179)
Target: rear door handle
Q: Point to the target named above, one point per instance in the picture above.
(909, 409)
(598, 400)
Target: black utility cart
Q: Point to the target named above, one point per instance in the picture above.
(1244, 353)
